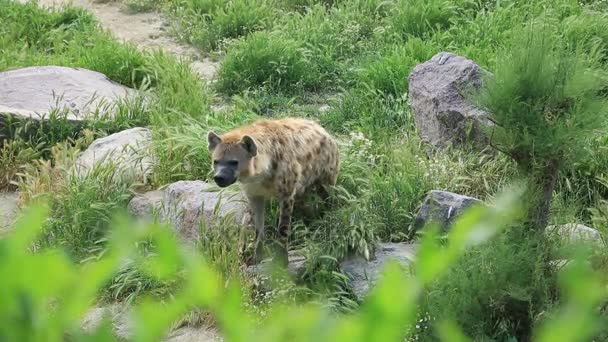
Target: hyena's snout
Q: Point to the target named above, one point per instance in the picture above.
(224, 177)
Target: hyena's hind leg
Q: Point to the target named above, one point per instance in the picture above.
(323, 185)
(311, 204)
(304, 207)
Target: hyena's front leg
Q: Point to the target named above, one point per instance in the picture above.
(256, 207)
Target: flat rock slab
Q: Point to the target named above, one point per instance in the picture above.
(187, 205)
(194, 334)
(129, 151)
(122, 325)
(34, 92)
(266, 277)
(443, 116)
(8, 209)
(364, 274)
(442, 208)
(117, 314)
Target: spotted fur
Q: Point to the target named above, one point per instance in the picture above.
(283, 159)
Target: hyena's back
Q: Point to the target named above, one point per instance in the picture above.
(295, 148)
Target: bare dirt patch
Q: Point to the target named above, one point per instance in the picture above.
(148, 31)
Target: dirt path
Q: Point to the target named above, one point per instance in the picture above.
(145, 30)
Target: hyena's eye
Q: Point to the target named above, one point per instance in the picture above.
(215, 162)
(233, 162)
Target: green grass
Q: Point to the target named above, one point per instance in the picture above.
(203, 287)
(288, 58)
(82, 209)
(267, 60)
(209, 24)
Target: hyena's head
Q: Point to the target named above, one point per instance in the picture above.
(231, 159)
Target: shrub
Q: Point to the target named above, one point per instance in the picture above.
(267, 60)
(369, 112)
(82, 208)
(494, 292)
(413, 18)
(334, 37)
(588, 31)
(13, 155)
(348, 229)
(142, 5)
(179, 91)
(546, 102)
(39, 28)
(208, 23)
(81, 204)
(387, 74)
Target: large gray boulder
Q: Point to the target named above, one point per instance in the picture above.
(442, 207)
(34, 92)
(364, 274)
(574, 233)
(442, 115)
(188, 204)
(129, 152)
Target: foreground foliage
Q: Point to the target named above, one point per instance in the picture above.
(47, 310)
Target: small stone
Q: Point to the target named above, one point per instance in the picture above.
(265, 276)
(441, 207)
(129, 151)
(364, 274)
(324, 109)
(93, 318)
(575, 232)
(116, 313)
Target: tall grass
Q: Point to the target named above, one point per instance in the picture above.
(210, 24)
(267, 60)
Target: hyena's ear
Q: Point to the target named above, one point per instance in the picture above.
(213, 140)
(249, 145)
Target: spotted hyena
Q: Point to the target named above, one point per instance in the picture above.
(275, 158)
